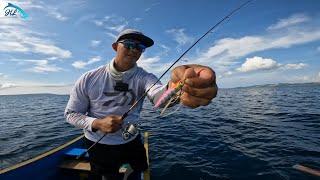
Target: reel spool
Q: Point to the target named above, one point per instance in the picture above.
(130, 131)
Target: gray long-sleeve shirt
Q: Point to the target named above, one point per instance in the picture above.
(93, 97)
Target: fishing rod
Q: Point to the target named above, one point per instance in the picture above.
(130, 129)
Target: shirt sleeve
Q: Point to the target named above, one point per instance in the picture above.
(150, 79)
(78, 105)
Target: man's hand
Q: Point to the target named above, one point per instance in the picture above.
(200, 84)
(109, 124)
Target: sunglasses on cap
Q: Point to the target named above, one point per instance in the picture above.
(133, 45)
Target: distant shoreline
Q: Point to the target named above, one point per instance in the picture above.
(46, 89)
(68, 88)
(278, 84)
(34, 94)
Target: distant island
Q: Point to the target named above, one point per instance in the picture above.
(278, 84)
(65, 89)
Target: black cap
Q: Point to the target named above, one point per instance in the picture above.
(136, 35)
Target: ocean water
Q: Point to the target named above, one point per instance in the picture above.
(245, 133)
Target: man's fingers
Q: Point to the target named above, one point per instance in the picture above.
(195, 76)
(178, 73)
(207, 93)
(115, 126)
(183, 72)
(116, 119)
(192, 101)
(199, 82)
(206, 73)
(189, 73)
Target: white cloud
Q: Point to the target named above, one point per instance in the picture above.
(50, 10)
(16, 37)
(79, 64)
(165, 51)
(12, 88)
(7, 85)
(94, 59)
(112, 23)
(229, 73)
(226, 74)
(137, 19)
(154, 65)
(85, 18)
(98, 23)
(111, 35)
(290, 21)
(117, 28)
(83, 64)
(8, 22)
(106, 18)
(151, 7)
(95, 43)
(12, 47)
(26, 5)
(42, 66)
(52, 58)
(55, 14)
(227, 51)
(48, 48)
(313, 77)
(180, 36)
(2, 76)
(148, 63)
(258, 63)
(294, 66)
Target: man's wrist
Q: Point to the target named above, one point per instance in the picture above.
(95, 125)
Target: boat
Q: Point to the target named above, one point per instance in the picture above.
(61, 163)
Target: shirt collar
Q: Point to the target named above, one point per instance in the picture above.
(118, 75)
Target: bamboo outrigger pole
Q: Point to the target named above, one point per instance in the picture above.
(307, 170)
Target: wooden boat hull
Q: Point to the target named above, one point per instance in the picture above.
(44, 166)
(48, 165)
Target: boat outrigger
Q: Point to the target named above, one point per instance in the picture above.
(61, 163)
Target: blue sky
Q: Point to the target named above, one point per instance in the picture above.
(265, 42)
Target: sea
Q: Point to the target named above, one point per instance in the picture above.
(256, 132)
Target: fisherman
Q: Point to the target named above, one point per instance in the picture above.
(101, 96)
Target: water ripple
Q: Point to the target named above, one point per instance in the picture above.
(246, 133)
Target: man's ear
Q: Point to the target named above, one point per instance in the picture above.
(115, 46)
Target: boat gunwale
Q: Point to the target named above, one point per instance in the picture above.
(43, 155)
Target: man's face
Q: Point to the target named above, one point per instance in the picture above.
(128, 53)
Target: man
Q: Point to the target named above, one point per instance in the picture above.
(101, 96)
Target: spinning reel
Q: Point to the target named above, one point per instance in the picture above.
(130, 131)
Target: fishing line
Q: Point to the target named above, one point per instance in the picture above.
(158, 80)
